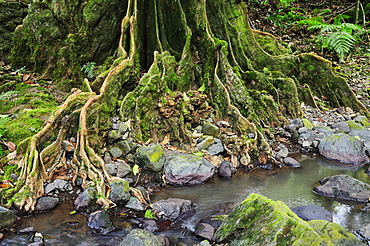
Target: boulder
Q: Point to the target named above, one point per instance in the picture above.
(343, 187)
(46, 203)
(151, 157)
(312, 212)
(226, 170)
(343, 148)
(120, 191)
(261, 221)
(187, 169)
(7, 217)
(172, 208)
(140, 237)
(100, 222)
(86, 200)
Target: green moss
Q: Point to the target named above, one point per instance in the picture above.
(354, 125)
(307, 123)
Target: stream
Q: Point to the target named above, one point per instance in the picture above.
(292, 186)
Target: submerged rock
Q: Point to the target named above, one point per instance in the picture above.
(312, 212)
(140, 237)
(187, 169)
(99, 222)
(261, 221)
(343, 148)
(344, 187)
(7, 217)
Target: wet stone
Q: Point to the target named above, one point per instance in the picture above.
(86, 200)
(119, 191)
(210, 129)
(123, 169)
(150, 225)
(62, 185)
(100, 222)
(140, 237)
(46, 203)
(115, 152)
(216, 148)
(290, 162)
(312, 212)
(134, 204)
(204, 230)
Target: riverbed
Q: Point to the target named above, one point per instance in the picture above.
(290, 185)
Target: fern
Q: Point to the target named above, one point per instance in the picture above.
(340, 38)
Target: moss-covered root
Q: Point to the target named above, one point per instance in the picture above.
(32, 169)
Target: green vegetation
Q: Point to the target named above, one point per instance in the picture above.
(88, 69)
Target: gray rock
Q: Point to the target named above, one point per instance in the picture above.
(282, 151)
(216, 148)
(100, 222)
(123, 169)
(344, 187)
(205, 230)
(297, 122)
(172, 208)
(140, 237)
(7, 217)
(341, 127)
(226, 170)
(291, 128)
(123, 127)
(150, 225)
(210, 129)
(26, 230)
(205, 143)
(126, 146)
(135, 204)
(364, 233)
(312, 212)
(49, 188)
(111, 169)
(151, 157)
(290, 162)
(86, 200)
(323, 130)
(115, 151)
(119, 191)
(303, 129)
(46, 203)
(187, 169)
(114, 135)
(63, 185)
(344, 148)
(114, 242)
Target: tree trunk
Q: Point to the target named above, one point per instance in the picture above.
(177, 64)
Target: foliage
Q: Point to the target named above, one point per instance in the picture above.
(88, 69)
(339, 37)
(149, 214)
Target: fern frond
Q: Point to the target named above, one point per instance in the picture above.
(341, 43)
(350, 26)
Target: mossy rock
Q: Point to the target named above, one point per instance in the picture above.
(261, 221)
(307, 123)
(353, 125)
(334, 234)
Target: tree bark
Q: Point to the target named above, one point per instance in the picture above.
(177, 63)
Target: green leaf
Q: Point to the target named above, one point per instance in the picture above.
(202, 88)
(149, 214)
(199, 153)
(186, 98)
(72, 212)
(135, 169)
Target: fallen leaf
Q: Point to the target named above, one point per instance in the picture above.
(166, 140)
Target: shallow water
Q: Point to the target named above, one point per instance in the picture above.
(292, 186)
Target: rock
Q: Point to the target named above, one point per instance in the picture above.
(298, 123)
(290, 162)
(151, 157)
(205, 143)
(205, 231)
(312, 212)
(26, 230)
(123, 169)
(323, 131)
(119, 191)
(140, 237)
(135, 204)
(7, 217)
(364, 233)
(187, 169)
(163, 240)
(226, 170)
(111, 169)
(210, 129)
(341, 126)
(343, 148)
(291, 128)
(150, 225)
(127, 146)
(282, 152)
(115, 151)
(216, 148)
(86, 200)
(344, 187)
(261, 221)
(114, 242)
(334, 234)
(46, 203)
(99, 222)
(172, 208)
